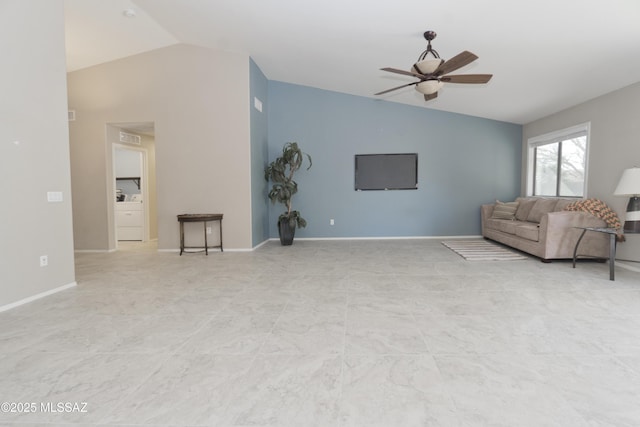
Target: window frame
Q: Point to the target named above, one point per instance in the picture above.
(583, 129)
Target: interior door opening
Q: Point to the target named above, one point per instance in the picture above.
(133, 179)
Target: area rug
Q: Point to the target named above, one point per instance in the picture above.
(482, 250)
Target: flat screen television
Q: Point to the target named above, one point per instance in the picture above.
(386, 171)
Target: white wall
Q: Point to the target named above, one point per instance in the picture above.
(199, 102)
(33, 111)
(614, 146)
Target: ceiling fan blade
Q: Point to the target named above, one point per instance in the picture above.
(458, 61)
(396, 88)
(467, 78)
(403, 72)
(430, 97)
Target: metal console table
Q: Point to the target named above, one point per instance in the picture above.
(612, 232)
(199, 218)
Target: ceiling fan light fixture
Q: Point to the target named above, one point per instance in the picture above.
(429, 87)
(427, 66)
(433, 73)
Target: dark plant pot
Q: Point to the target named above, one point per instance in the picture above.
(286, 233)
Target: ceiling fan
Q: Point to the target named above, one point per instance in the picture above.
(433, 73)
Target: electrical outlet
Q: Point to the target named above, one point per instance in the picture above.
(208, 230)
(332, 222)
(44, 261)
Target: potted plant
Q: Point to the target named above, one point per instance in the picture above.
(281, 172)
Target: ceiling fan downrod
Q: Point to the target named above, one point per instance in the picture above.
(429, 35)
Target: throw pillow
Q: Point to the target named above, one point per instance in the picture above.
(504, 210)
(540, 208)
(524, 208)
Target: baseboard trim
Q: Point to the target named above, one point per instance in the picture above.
(276, 239)
(623, 264)
(37, 296)
(264, 242)
(387, 238)
(94, 251)
(210, 250)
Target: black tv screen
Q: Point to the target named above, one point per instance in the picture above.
(386, 171)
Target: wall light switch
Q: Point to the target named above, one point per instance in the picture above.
(54, 196)
(331, 222)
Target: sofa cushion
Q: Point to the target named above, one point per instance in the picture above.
(504, 225)
(524, 208)
(561, 204)
(504, 210)
(528, 231)
(541, 208)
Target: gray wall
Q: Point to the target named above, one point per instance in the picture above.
(198, 100)
(259, 152)
(33, 107)
(463, 161)
(613, 147)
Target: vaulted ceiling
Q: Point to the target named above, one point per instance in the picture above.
(545, 55)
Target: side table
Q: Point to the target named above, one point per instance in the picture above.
(612, 232)
(199, 218)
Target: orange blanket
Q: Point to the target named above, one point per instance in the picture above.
(597, 208)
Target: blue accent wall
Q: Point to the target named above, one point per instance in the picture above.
(258, 88)
(463, 162)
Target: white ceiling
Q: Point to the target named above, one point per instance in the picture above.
(545, 55)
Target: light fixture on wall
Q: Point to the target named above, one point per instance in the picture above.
(629, 185)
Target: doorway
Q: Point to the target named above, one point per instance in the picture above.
(129, 173)
(133, 199)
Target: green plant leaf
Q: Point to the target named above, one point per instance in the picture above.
(281, 172)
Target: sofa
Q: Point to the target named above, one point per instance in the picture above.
(541, 227)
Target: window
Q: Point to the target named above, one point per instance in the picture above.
(558, 163)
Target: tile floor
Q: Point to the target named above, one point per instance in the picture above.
(327, 333)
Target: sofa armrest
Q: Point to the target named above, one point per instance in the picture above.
(485, 213)
(568, 219)
(559, 237)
